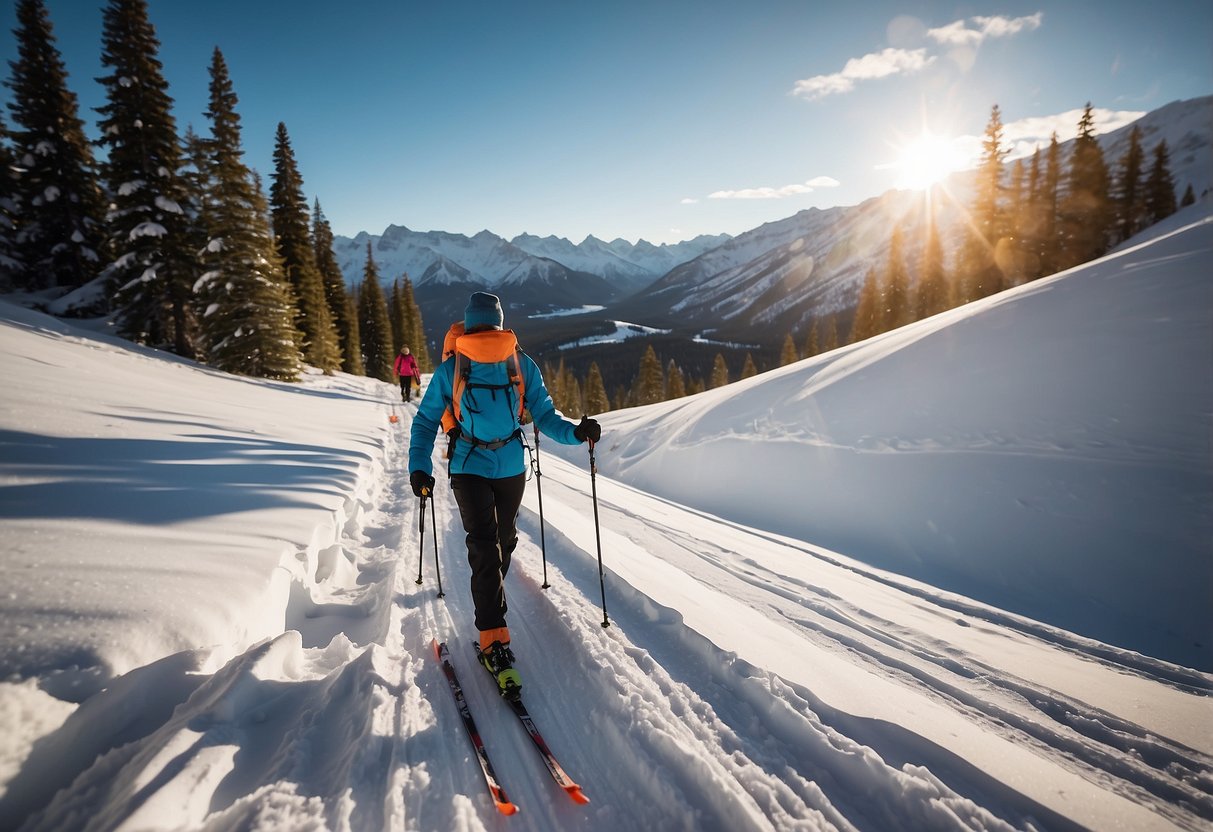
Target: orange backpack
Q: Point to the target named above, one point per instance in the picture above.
(484, 347)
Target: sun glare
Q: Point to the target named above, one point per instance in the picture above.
(926, 160)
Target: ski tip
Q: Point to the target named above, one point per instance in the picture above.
(577, 795)
(506, 808)
(437, 649)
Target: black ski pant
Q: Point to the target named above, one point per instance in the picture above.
(406, 387)
(489, 508)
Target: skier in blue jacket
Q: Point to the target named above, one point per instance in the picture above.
(494, 380)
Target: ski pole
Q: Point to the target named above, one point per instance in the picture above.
(539, 488)
(421, 545)
(437, 568)
(597, 537)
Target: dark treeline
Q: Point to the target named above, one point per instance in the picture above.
(174, 235)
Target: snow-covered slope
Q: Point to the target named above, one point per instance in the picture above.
(1068, 418)
(211, 620)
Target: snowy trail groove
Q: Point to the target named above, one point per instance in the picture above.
(345, 721)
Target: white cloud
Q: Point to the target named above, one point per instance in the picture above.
(689, 201)
(1026, 134)
(778, 193)
(958, 33)
(871, 66)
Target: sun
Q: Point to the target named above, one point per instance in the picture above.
(928, 159)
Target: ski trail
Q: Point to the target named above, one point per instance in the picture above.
(1165, 775)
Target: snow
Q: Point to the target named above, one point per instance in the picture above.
(949, 578)
(623, 331)
(147, 229)
(564, 313)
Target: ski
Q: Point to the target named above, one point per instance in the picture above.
(558, 774)
(502, 802)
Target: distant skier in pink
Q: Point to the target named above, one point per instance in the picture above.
(406, 368)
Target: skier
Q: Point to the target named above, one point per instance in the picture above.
(485, 386)
(406, 368)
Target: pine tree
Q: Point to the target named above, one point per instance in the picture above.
(650, 383)
(812, 343)
(1189, 197)
(1050, 211)
(10, 265)
(931, 296)
(1010, 253)
(897, 310)
(830, 340)
(248, 320)
(675, 384)
(150, 222)
(1031, 218)
(788, 354)
(396, 316)
(1128, 198)
(1085, 210)
(720, 373)
(573, 407)
(342, 309)
(695, 386)
(60, 238)
(415, 326)
(748, 370)
(596, 400)
(977, 272)
(868, 310)
(292, 236)
(373, 322)
(1160, 187)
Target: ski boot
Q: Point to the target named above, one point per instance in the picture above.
(498, 660)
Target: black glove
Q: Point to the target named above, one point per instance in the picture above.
(422, 483)
(587, 429)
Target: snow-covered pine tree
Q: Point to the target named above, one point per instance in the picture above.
(596, 400)
(1160, 187)
(10, 265)
(248, 312)
(1085, 211)
(149, 221)
(1127, 197)
(60, 240)
(650, 382)
(1189, 197)
(373, 323)
(342, 308)
(293, 239)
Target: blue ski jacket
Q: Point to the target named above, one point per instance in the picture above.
(489, 415)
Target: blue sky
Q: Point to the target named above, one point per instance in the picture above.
(639, 119)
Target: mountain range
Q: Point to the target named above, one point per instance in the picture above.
(753, 288)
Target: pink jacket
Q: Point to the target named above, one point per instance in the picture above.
(406, 365)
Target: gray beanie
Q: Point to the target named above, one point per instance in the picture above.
(483, 312)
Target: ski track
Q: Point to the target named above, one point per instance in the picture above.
(345, 721)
